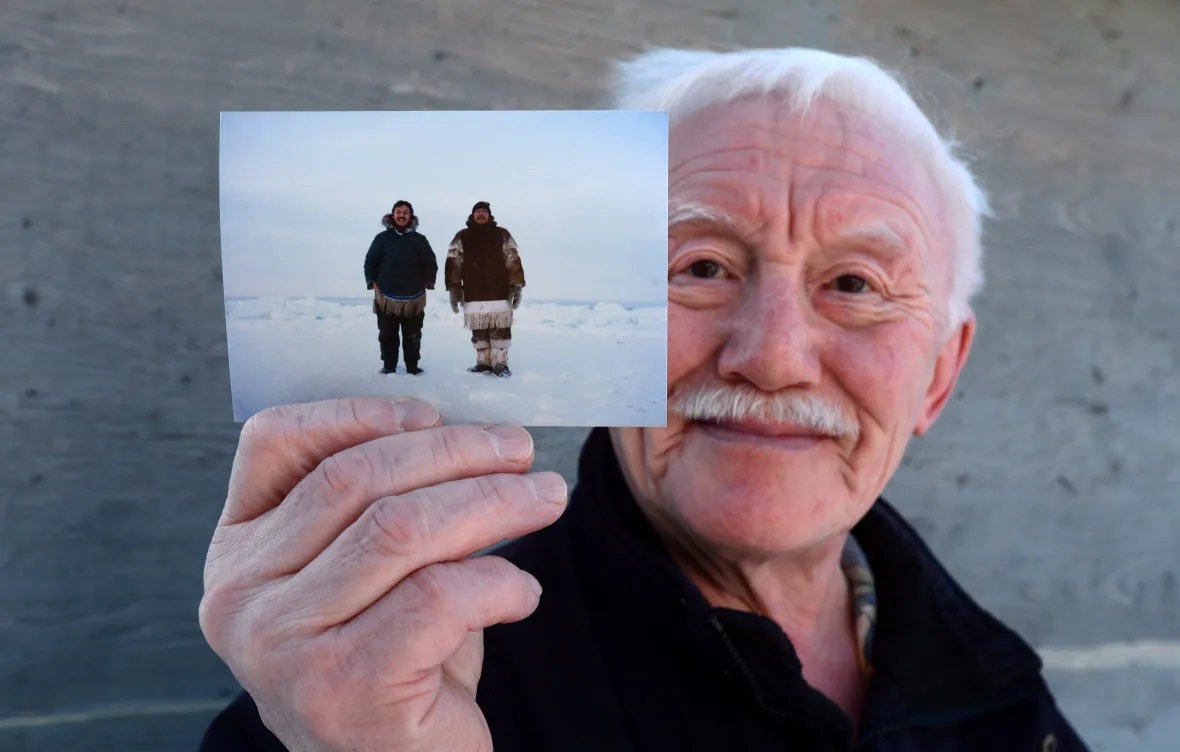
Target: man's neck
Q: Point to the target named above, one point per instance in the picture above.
(807, 595)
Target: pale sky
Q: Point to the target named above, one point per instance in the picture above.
(585, 194)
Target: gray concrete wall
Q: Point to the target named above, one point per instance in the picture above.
(1049, 488)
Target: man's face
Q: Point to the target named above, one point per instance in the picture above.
(480, 215)
(812, 266)
(401, 216)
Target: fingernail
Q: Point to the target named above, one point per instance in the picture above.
(549, 487)
(414, 415)
(512, 442)
(533, 584)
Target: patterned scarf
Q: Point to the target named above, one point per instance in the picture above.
(864, 601)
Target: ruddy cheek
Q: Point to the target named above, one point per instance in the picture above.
(690, 337)
(883, 376)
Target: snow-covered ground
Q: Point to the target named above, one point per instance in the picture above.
(572, 364)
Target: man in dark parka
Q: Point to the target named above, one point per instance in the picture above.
(399, 268)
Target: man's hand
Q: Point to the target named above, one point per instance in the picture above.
(337, 585)
(514, 297)
(456, 298)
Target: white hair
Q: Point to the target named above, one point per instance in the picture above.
(724, 402)
(683, 82)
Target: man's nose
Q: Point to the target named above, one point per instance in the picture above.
(773, 337)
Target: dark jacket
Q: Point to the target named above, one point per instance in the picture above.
(401, 264)
(624, 654)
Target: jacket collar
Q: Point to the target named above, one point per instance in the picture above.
(936, 653)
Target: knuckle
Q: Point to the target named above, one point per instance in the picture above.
(398, 526)
(494, 572)
(498, 575)
(495, 491)
(430, 592)
(239, 628)
(214, 611)
(342, 661)
(347, 412)
(254, 428)
(271, 431)
(447, 449)
(264, 426)
(340, 472)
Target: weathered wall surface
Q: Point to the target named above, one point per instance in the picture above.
(1049, 487)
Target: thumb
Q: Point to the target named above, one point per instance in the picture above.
(466, 665)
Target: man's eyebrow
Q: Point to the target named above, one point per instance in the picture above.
(877, 236)
(696, 212)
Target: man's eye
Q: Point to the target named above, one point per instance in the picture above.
(705, 269)
(850, 283)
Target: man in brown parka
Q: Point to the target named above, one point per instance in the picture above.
(484, 276)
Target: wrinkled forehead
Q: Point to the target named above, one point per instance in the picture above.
(732, 157)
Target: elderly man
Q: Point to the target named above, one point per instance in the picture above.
(714, 584)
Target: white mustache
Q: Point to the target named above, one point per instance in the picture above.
(734, 403)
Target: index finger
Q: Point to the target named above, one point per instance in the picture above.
(281, 445)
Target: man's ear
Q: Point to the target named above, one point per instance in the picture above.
(947, 368)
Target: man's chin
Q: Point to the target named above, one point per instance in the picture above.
(759, 508)
(752, 494)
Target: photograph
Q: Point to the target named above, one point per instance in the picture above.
(508, 266)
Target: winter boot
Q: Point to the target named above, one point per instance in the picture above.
(413, 370)
(482, 361)
(387, 368)
(500, 362)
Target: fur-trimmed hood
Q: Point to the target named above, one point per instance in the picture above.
(387, 220)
